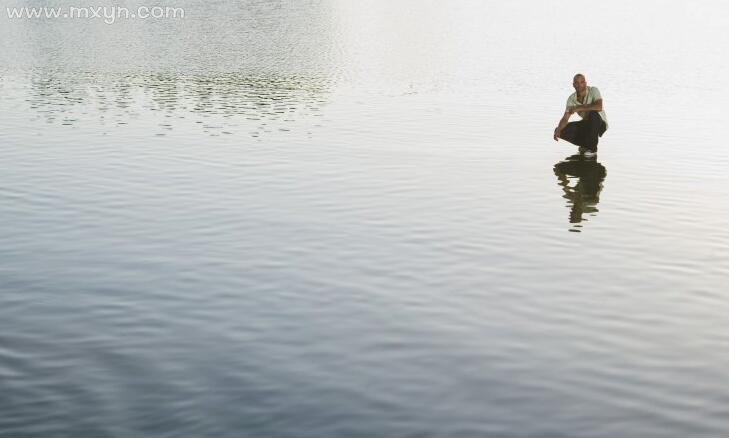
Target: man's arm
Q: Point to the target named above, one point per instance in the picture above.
(562, 123)
(594, 106)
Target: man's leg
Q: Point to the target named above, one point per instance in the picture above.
(572, 132)
(593, 128)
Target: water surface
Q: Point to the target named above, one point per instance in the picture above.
(334, 218)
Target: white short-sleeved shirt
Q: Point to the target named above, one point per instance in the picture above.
(593, 94)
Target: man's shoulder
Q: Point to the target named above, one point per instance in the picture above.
(572, 96)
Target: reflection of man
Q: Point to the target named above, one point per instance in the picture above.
(587, 103)
(585, 194)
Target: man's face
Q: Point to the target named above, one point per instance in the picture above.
(579, 83)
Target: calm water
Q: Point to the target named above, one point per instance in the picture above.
(349, 219)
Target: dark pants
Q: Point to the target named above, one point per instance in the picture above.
(585, 133)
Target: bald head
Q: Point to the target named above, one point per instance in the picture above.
(579, 83)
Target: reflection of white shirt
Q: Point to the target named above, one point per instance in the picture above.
(593, 94)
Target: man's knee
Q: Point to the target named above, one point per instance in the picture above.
(594, 120)
(594, 116)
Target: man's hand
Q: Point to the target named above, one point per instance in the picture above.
(573, 109)
(562, 123)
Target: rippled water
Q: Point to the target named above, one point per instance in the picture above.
(339, 218)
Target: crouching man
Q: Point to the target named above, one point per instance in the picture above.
(587, 103)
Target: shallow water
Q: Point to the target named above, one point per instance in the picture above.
(334, 218)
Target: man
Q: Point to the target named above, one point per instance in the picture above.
(587, 103)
